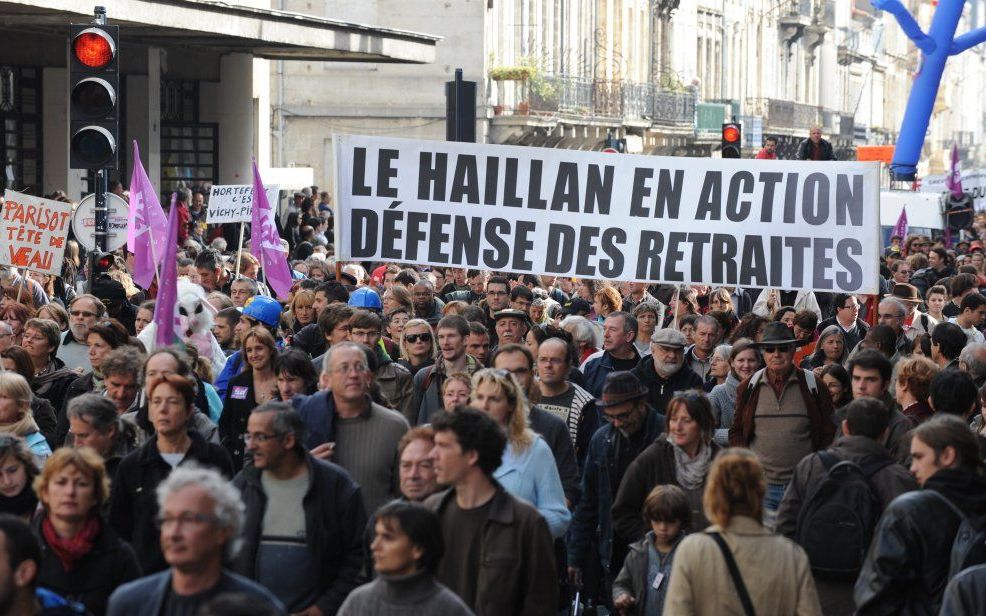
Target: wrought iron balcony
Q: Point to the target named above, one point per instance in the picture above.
(785, 114)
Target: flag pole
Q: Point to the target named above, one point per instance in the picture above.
(239, 251)
(20, 287)
(674, 306)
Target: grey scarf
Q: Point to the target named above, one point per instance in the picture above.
(691, 472)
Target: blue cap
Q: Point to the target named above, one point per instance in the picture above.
(264, 309)
(365, 297)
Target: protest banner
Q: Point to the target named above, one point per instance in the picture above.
(750, 223)
(34, 232)
(973, 182)
(234, 202)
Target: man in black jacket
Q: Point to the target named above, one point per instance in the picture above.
(664, 372)
(814, 147)
(304, 516)
(907, 567)
(847, 318)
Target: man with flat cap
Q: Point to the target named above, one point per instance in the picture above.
(783, 414)
(664, 372)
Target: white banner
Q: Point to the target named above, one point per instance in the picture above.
(751, 223)
(34, 232)
(234, 202)
(973, 182)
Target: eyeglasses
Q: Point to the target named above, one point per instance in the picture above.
(412, 338)
(497, 293)
(83, 313)
(261, 437)
(186, 519)
(618, 416)
(776, 349)
(346, 369)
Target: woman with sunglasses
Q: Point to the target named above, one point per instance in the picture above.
(681, 456)
(418, 346)
(528, 469)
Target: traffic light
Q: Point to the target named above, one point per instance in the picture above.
(103, 263)
(732, 140)
(94, 86)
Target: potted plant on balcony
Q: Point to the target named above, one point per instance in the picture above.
(512, 73)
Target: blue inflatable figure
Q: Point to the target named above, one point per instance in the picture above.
(936, 47)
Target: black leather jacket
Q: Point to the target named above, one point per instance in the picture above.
(906, 569)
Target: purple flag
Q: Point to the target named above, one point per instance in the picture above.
(953, 181)
(165, 311)
(146, 220)
(900, 229)
(265, 243)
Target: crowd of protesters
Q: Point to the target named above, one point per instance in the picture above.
(398, 439)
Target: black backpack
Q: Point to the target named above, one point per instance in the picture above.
(969, 546)
(837, 520)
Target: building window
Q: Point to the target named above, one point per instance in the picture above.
(189, 155)
(20, 129)
(189, 148)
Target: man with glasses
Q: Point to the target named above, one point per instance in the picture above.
(452, 333)
(497, 299)
(83, 312)
(395, 381)
(304, 516)
(201, 517)
(664, 372)
(847, 318)
(892, 313)
(901, 271)
(426, 305)
(345, 426)
(782, 413)
(630, 425)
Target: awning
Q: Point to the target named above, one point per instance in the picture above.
(228, 27)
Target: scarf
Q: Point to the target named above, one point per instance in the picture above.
(22, 427)
(53, 373)
(70, 550)
(22, 504)
(691, 472)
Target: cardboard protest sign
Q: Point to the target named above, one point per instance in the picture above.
(750, 223)
(234, 202)
(33, 232)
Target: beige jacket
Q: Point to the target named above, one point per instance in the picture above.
(774, 569)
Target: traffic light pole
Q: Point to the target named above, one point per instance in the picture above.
(98, 178)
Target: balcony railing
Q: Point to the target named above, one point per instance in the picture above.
(785, 114)
(595, 98)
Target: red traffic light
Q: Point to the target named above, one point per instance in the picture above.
(731, 133)
(94, 48)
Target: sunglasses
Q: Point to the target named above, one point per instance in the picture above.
(776, 349)
(412, 338)
(83, 313)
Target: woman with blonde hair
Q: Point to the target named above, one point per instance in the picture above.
(300, 311)
(606, 301)
(83, 558)
(737, 565)
(16, 416)
(528, 468)
(418, 345)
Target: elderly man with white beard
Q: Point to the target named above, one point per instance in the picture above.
(664, 372)
(83, 311)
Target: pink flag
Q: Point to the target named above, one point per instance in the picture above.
(953, 181)
(900, 229)
(165, 311)
(265, 243)
(146, 220)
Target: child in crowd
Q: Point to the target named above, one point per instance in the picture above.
(642, 584)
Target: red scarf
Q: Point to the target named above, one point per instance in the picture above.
(73, 549)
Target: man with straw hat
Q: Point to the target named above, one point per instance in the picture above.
(915, 321)
(782, 413)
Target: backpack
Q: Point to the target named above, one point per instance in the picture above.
(836, 523)
(969, 546)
